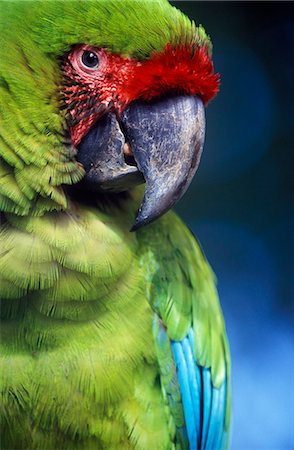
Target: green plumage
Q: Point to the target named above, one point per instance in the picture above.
(78, 358)
(81, 363)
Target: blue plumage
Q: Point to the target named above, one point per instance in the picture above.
(189, 385)
(194, 386)
(204, 405)
(183, 376)
(207, 394)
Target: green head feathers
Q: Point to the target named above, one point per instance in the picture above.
(34, 160)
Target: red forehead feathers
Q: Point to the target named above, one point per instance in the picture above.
(179, 70)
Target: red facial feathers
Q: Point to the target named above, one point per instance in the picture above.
(178, 70)
(117, 81)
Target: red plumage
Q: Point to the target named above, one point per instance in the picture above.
(178, 70)
(117, 81)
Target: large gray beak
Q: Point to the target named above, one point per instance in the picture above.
(166, 137)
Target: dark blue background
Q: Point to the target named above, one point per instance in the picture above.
(239, 206)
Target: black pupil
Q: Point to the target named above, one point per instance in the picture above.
(90, 59)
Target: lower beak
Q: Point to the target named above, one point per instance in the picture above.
(166, 138)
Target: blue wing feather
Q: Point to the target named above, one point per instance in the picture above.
(183, 377)
(214, 419)
(207, 394)
(190, 386)
(204, 405)
(194, 387)
(220, 418)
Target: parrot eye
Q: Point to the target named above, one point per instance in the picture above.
(90, 59)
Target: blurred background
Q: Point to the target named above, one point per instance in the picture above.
(240, 206)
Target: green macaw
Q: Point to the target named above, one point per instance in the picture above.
(112, 335)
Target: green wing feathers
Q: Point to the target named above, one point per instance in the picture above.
(181, 289)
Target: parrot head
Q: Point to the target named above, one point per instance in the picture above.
(116, 100)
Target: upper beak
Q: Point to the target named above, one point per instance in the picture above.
(166, 137)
